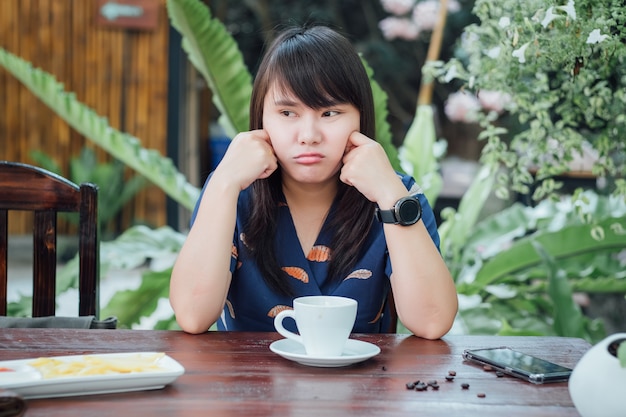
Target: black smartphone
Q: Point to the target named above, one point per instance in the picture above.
(518, 364)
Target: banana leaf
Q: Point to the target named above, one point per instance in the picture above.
(568, 320)
(126, 148)
(458, 227)
(570, 241)
(417, 153)
(383, 131)
(216, 55)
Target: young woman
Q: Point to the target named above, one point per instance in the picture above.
(308, 203)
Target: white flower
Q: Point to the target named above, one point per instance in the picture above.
(550, 16)
(569, 9)
(596, 37)
(397, 7)
(494, 100)
(451, 74)
(395, 27)
(493, 53)
(504, 22)
(519, 53)
(462, 107)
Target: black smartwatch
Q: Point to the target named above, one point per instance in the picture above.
(405, 212)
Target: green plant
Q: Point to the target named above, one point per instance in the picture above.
(516, 271)
(563, 67)
(114, 189)
(122, 146)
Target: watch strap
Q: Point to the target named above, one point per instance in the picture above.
(386, 216)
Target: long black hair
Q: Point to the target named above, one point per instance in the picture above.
(320, 67)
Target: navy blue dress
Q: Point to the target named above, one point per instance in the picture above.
(251, 305)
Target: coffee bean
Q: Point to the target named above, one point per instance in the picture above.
(432, 382)
(410, 385)
(449, 378)
(421, 387)
(452, 373)
(465, 386)
(481, 395)
(499, 374)
(384, 368)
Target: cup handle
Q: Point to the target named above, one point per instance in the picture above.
(278, 324)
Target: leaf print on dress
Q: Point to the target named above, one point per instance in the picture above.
(360, 274)
(379, 314)
(242, 237)
(297, 273)
(319, 253)
(231, 311)
(277, 309)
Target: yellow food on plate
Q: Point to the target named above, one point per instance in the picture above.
(97, 365)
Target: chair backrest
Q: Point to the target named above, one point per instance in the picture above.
(29, 188)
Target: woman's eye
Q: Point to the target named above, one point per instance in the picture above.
(330, 113)
(287, 113)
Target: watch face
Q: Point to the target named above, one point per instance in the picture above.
(410, 211)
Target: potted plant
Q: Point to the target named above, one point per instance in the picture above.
(598, 382)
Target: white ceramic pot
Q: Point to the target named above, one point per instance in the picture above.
(598, 383)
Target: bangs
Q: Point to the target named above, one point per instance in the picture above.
(311, 80)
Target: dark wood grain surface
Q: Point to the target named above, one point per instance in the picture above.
(231, 373)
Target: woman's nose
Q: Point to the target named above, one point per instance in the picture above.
(309, 132)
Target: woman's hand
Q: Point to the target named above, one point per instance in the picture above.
(367, 167)
(249, 157)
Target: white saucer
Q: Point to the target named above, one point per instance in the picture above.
(354, 352)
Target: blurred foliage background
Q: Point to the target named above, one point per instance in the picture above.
(397, 63)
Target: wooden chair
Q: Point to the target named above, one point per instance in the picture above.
(25, 187)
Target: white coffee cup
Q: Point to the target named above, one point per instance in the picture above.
(324, 322)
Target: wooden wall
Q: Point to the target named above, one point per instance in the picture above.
(122, 74)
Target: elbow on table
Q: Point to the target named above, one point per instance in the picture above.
(433, 332)
(191, 321)
(192, 326)
(433, 327)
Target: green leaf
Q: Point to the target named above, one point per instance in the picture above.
(417, 153)
(216, 55)
(383, 130)
(569, 241)
(147, 162)
(45, 161)
(455, 231)
(567, 315)
(131, 305)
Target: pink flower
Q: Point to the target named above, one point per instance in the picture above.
(397, 7)
(462, 107)
(425, 14)
(494, 100)
(395, 27)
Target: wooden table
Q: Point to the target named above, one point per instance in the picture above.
(229, 373)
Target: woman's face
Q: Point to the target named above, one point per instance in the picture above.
(309, 143)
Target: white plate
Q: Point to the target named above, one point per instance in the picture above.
(28, 382)
(354, 352)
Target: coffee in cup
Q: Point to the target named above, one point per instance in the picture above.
(323, 321)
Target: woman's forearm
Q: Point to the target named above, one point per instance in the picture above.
(424, 291)
(201, 275)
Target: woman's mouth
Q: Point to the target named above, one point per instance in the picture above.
(308, 158)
